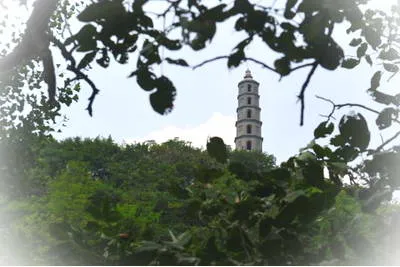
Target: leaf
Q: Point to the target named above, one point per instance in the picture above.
(102, 10)
(290, 4)
(162, 100)
(372, 37)
(390, 54)
(347, 153)
(355, 42)
(361, 50)
(338, 140)
(243, 43)
(350, 63)
(296, 204)
(323, 130)
(216, 148)
(385, 98)
(391, 67)
(87, 59)
(240, 23)
(86, 38)
(180, 62)
(338, 167)
(313, 173)
(322, 152)
(146, 79)
(282, 66)
(368, 59)
(354, 130)
(386, 117)
(150, 52)
(235, 58)
(375, 80)
(256, 20)
(168, 43)
(330, 55)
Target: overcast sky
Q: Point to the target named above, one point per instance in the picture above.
(206, 99)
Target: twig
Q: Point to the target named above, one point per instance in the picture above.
(79, 74)
(339, 106)
(302, 66)
(303, 90)
(356, 105)
(208, 61)
(379, 148)
(245, 59)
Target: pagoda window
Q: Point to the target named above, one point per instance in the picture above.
(249, 129)
(248, 145)
(249, 113)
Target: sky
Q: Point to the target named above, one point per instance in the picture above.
(206, 99)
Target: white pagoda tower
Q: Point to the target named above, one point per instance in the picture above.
(248, 124)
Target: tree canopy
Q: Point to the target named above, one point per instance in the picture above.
(95, 202)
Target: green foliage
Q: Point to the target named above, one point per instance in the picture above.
(106, 204)
(216, 148)
(323, 130)
(248, 165)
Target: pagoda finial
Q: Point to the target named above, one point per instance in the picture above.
(247, 74)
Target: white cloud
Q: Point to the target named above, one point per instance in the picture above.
(217, 125)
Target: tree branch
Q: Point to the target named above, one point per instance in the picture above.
(35, 38)
(35, 43)
(301, 96)
(379, 148)
(302, 66)
(208, 61)
(225, 57)
(339, 106)
(79, 74)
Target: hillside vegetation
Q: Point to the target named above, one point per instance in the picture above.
(94, 202)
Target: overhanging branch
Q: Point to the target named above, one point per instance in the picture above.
(379, 148)
(35, 39)
(79, 74)
(301, 96)
(339, 106)
(35, 43)
(262, 64)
